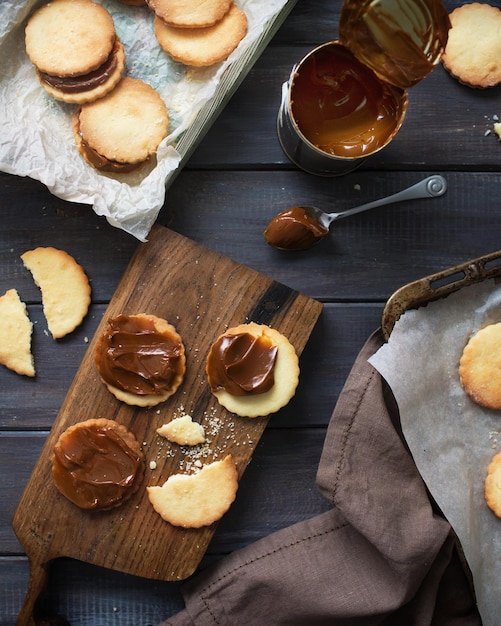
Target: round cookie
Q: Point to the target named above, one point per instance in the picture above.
(480, 367)
(141, 359)
(75, 50)
(97, 464)
(190, 13)
(285, 374)
(201, 47)
(492, 486)
(473, 51)
(122, 131)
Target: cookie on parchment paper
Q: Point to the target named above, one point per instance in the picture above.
(492, 486)
(15, 335)
(65, 288)
(190, 13)
(480, 367)
(200, 47)
(122, 131)
(473, 51)
(75, 50)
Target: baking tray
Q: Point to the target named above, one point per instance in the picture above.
(438, 285)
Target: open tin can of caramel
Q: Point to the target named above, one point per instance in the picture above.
(347, 99)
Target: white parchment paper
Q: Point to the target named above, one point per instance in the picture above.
(36, 138)
(451, 438)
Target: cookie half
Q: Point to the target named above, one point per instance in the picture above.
(480, 367)
(122, 131)
(253, 370)
(196, 500)
(75, 50)
(473, 51)
(97, 464)
(65, 288)
(15, 335)
(190, 13)
(201, 47)
(141, 359)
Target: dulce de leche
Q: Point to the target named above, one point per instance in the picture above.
(294, 229)
(139, 355)
(242, 364)
(340, 105)
(94, 466)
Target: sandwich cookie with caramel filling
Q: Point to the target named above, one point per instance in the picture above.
(200, 47)
(122, 131)
(253, 370)
(75, 50)
(190, 13)
(141, 359)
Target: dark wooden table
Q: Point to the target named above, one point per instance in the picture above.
(235, 182)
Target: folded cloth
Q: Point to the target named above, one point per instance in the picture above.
(382, 555)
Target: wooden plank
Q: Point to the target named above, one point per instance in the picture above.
(202, 293)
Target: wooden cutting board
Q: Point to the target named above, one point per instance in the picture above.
(202, 293)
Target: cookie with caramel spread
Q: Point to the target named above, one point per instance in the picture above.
(253, 370)
(97, 464)
(75, 50)
(201, 47)
(122, 131)
(141, 359)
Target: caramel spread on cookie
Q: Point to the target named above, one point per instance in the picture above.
(83, 82)
(341, 107)
(136, 358)
(94, 467)
(294, 229)
(242, 364)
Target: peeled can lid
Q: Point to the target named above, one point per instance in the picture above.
(400, 40)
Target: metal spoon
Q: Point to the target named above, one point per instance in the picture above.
(299, 228)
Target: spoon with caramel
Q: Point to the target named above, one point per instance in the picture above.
(300, 227)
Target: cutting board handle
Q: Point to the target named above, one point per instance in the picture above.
(38, 580)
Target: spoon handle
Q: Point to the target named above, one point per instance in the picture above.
(430, 187)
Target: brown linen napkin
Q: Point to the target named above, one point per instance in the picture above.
(382, 555)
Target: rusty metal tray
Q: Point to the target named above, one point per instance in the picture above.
(439, 285)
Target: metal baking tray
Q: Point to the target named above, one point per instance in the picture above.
(439, 285)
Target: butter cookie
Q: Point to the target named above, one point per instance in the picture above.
(473, 51)
(201, 47)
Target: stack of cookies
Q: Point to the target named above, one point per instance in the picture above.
(198, 33)
(79, 59)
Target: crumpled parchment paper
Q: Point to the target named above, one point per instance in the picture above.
(36, 138)
(451, 438)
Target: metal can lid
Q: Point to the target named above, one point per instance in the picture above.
(400, 40)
